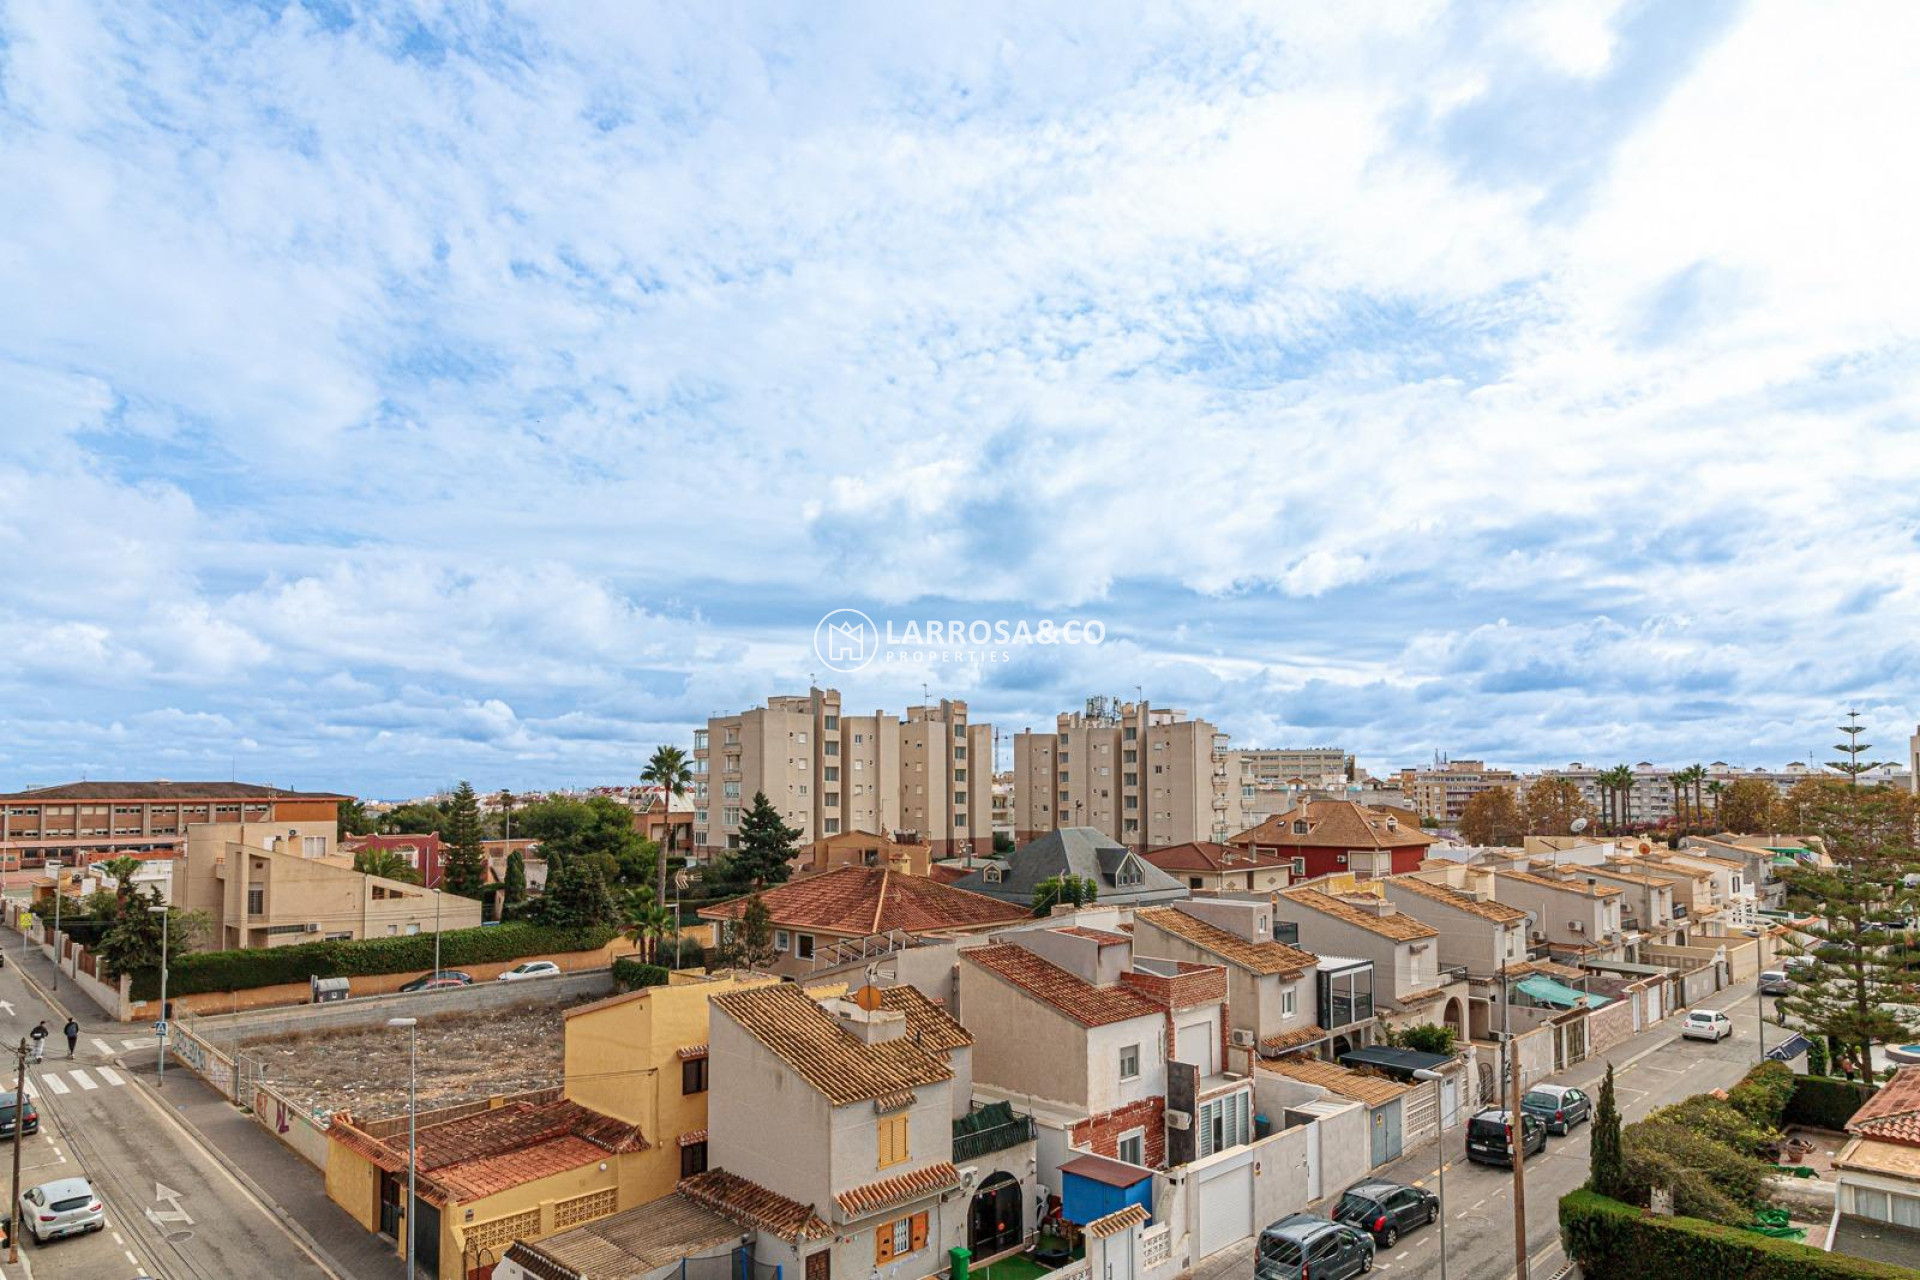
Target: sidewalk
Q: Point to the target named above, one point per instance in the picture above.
(290, 1188)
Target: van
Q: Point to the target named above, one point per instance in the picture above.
(1776, 982)
(1490, 1136)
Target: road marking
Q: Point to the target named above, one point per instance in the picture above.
(168, 1196)
(1400, 1255)
(84, 1080)
(101, 1045)
(110, 1075)
(117, 1239)
(136, 1044)
(131, 1259)
(54, 1083)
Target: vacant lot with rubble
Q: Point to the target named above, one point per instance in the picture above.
(463, 1058)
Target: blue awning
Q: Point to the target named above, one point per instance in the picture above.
(1544, 990)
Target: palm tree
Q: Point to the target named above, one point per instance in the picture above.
(1619, 781)
(1678, 781)
(667, 769)
(1714, 789)
(646, 922)
(121, 869)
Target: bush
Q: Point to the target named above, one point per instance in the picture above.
(682, 953)
(630, 975)
(1822, 1102)
(1762, 1095)
(1716, 1121)
(268, 966)
(1708, 1178)
(1608, 1238)
(1817, 1057)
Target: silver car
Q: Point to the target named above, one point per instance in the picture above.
(64, 1208)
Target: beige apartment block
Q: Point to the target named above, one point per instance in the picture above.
(925, 779)
(1144, 776)
(263, 891)
(1443, 791)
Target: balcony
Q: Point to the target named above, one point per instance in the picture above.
(1679, 911)
(1452, 973)
(992, 1128)
(1343, 1011)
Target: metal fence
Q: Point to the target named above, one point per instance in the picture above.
(739, 1265)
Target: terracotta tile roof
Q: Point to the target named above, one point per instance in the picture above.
(1893, 1113)
(1255, 957)
(1207, 857)
(1116, 1222)
(807, 1038)
(343, 1131)
(1069, 993)
(1427, 996)
(691, 1052)
(693, 1138)
(888, 1192)
(1548, 882)
(947, 875)
(1105, 937)
(490, 1175)
(753, 1205)
(1295, 1039)
(928, 1025)
(1335, 824)
(1498, 912)
(1547, 967)
(1331, 1076)
(1399, 926)
(860, 901)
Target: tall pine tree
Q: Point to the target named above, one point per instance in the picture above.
(463, 871)
(767, 846)
(1607, 1170)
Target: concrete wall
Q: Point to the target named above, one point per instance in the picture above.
(305, 1133)
(1024, 1046)
(854, 1138)
(764, 1122)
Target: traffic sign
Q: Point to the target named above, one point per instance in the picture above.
(160, 1029)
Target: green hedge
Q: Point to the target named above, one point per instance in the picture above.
(1608, 1238)
(240, 970)
(1823, 1102)
(630, 975)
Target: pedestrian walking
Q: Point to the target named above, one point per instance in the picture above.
(39, 1035)
(73, 1035)
(1846, 1065)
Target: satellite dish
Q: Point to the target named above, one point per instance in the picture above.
(868, 998)
(1579, 825)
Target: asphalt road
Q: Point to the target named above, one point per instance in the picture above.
(1651, 1070)
(173, 1211)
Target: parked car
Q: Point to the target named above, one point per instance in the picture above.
(531, 969)
(1306, 1246)
(1385, 1210)
(1776, 982)
(30, 1123)
(67, 1207)
(1559, 1106)
(1490, 1136)
(441, 981)
(1706, 1024)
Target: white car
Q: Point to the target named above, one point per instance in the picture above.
(1706, 1024)
(64, 1208)
(531, 969)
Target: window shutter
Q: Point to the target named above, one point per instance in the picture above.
(919, 1231)
(883, 1244)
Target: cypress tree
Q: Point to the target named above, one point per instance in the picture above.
(1607, 1172)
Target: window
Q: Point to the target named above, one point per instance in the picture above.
(1289, 1002)
(1132, 1147)
(699, 817)
(1299, 826)
(730, 791)
(959, 753)
(700, 739)
(781, 940)
(899, 1238)
(345, 935)
(959, 775)
(803, 947)
(833, 722)
(1299, 866)
(893, 1140)
(859, 738)
(313, 846)
(1195, 882)
(693, 1076)
(832, 826)
(1222, 1123)
(1130, 1062)
(412, 930)
(959, 799)
(1065, 757)
(731, 817)
(256, 899)
(830, 750)
(801, 738)
(693, 1159)
(830, 774)
(831, 799)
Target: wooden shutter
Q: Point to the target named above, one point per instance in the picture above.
(883, 1244)
(919, 1232)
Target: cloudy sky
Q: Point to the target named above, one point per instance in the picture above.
(399, 393)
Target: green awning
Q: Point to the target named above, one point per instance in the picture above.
(1544, 990)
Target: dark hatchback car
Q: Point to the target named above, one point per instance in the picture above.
(1559, 1106)
(446, 979)
(1386, 1210)
(7, 1110)
(1306, 1246)
(1490, 1136)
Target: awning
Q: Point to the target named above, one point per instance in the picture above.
(1398, 1063)
(1544, 990)
(1795, 1045)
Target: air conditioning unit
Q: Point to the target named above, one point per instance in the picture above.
(1179, 1119)
(1576, 926)
(313, 926)
(969, 1176)
(1241, 1039)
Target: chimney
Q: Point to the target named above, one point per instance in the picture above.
(875, 1026)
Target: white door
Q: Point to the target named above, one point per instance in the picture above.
(1116, 1256)
(1449, 1103)
(1199, 1045)
(1226, 1207)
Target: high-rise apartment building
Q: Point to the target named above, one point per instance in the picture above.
(1443, 790)
(1316, 768)
(1144, 776)
(925, 779)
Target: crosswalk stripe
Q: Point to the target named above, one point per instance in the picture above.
(84, 1080)
(101, 1045)
(55, 1083)
(110, 1075)
(135, 1044)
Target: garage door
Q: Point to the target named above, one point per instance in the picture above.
(1226, 1207)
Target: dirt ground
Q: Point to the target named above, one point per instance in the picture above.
(462, 1059)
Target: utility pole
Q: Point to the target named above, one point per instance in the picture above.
(160, 1071)
(19, 1124)
(1518, 1127)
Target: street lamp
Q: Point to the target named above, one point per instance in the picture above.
(436, 935)
(1440, 1170)
(55, 868)
(161, 1074)
(413, 1111)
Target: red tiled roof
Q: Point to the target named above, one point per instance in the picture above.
(1104, 937)
(947, 875)
(489, 1151)
(1335, 824)
(1372, 1090)
(888, 1192)
(691, 1052)
(752, 1204)
(1498, 912)
(808, 1038)
(1893, 1113)
(1069, 993)
(343, 1131)
(928, 1025)
(693, 1139)
(1255, 957)
(859, 901)
(1420, 997)
(490, 1175)
(1294, 1039)
(1206, 857)
(1397, 924)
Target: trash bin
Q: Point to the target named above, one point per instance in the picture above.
(959, 1256)
(327, 990)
